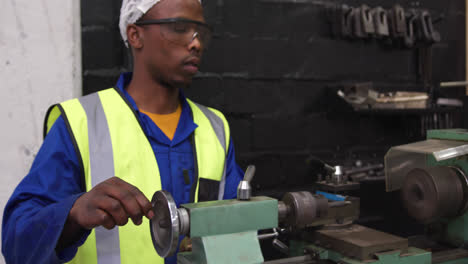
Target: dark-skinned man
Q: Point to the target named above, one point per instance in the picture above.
(105, 154)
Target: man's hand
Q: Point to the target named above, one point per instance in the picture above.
(108, 204)
(111, 203)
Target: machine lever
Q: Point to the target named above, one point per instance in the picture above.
(321, 165)
(280, 246)
(249, 173)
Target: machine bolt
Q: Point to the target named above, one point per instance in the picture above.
(244, 191)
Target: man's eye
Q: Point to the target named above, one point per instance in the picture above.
(180, 27)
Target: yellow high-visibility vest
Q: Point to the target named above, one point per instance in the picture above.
(109, 141)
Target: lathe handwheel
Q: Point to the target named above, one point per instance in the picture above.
(165, 226)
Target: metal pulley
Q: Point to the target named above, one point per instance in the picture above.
(435, 192)
(167, 224)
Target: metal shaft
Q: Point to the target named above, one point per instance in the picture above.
(454, 84)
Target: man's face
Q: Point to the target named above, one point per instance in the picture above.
(171, 63)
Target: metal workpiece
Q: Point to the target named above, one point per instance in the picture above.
(302, 208)
(244, 190)
(340, 213)
(283, 211)
(165, 226)
(431, 193)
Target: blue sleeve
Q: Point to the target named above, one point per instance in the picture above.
(234, 174)
(38, 208)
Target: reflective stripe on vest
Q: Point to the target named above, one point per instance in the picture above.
(210, 118)
(105, 132)
(101, 160)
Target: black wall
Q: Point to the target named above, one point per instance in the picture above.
(273, 68)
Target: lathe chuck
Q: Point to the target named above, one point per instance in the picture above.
(298, 209)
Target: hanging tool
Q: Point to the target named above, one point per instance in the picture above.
(409, 38)
(358, 31)
(340, 17)
(426, 29)
(380, 22)
(397, 22)
(367, 21)
(346, 21)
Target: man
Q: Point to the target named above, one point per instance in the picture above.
(144, 132)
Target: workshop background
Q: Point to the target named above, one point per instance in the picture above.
(274, 68)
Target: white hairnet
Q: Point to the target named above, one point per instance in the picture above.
(131, 11)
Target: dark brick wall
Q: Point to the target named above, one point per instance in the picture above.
(274, 69)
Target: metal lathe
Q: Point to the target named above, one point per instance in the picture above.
(430, 176)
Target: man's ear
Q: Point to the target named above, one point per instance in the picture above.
(135, 36)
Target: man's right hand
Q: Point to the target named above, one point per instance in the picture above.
(111, 203)
(108, 204)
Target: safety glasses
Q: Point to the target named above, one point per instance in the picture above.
(181, 31)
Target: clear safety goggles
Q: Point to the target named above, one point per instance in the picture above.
(181, 31)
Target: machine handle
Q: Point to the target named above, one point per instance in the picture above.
(275, 234)
(280, 246)
(249, 173)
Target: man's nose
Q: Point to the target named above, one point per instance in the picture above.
(195, 42)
